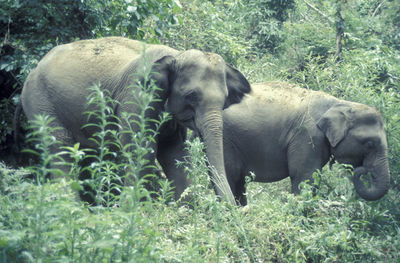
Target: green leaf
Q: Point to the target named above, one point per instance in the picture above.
(3, 242)
(76, 186)
(178, 3)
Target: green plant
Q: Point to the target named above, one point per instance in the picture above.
(265, 19)
(103, 179)
(35, 205)
(43, 140)
(216, 33)
(6, 107)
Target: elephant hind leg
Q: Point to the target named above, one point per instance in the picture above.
(63, 138)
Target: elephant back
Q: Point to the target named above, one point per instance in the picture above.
(284, 94)
(100, 58)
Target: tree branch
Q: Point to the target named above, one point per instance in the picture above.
(319, 12)
(377, 8)
(339, 30)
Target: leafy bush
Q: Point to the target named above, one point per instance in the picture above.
(234, 29)
(203, 26)
(31, 28)
(264, 22)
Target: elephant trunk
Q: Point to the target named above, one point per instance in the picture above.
(380, 177)
(210, 127)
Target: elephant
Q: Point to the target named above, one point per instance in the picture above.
(193, 86)
(279, 131)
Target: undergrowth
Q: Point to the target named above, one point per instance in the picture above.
(46, 223)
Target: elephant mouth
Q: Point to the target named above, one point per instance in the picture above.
(189, 123)
(355, 162)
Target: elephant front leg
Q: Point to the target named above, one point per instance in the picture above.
(305, 157)
(169, 152)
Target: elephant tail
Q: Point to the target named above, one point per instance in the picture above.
(17, 124)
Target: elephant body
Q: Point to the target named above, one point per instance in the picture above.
(193, 85)
(60, 85)
(280, 131)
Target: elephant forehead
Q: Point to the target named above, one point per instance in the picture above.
(214, 59)
(366, 114)
(204, 82)
(199, 72)
(199, 58)
(368, 118)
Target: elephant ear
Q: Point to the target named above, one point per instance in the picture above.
(335, 123)
(162, 72)
(237, 86)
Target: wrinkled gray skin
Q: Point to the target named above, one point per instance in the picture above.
(195, 87)
(280, 131)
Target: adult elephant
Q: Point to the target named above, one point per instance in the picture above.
(195, 86)
(280, 131)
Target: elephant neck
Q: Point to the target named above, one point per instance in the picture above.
(318, 107)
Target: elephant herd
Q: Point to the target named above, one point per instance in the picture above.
(272, 129)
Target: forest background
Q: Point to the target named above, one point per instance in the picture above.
(347, 48)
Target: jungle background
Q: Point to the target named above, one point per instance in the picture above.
(347, 48)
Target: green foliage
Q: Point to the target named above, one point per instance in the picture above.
(312, 33)
(264, 22)
(332, 225)
(6, 118)
(233, 29)
(31, 28)
(43, 140)
(203, 26)
(103, 170)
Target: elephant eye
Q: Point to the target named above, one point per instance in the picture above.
(369, 144)
(191, 98)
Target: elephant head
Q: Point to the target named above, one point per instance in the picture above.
(197, 86)
(356, 135)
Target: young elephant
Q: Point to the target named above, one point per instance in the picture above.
(279, 131)
(195, 86)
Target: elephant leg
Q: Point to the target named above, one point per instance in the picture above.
(304, 158)
(235, 174)
(169, 152)
(64, 138)
(144, 165)
(239, 191)
(148, 158)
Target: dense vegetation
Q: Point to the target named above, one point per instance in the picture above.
(350, 49)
